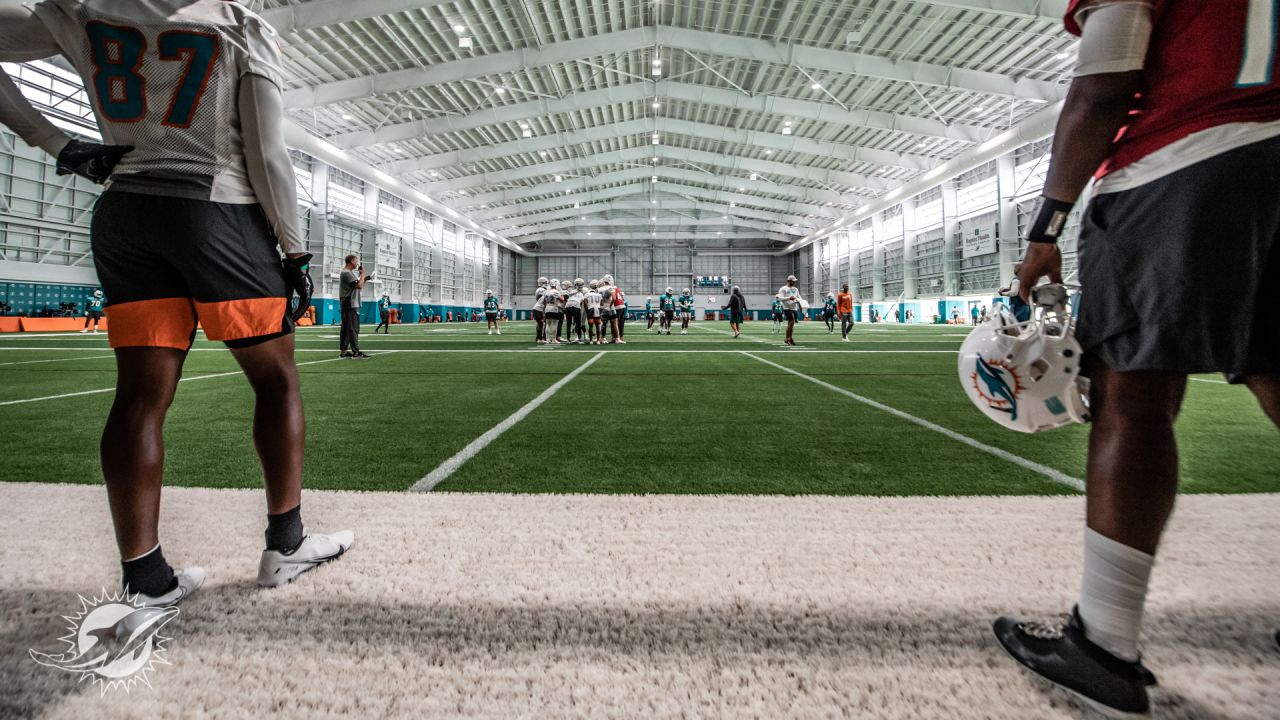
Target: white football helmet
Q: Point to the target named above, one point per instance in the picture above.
(791, 278)
(97, 293)
(579, 282)
(607, 279)
(685, 291)
(555, 284)
(1026, 375)
(488, 293)
(595, 284)
(542, 282)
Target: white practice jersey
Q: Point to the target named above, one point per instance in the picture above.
(164, 77)
(593, 299)
(574, 301)
(540, 299)
(790, 297)
(554, 301)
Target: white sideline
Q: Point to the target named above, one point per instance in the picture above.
(450, 466)
(1048, 472)
(188, 379)
(33, 362)
(481, 351)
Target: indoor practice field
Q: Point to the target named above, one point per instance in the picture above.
(704, 413)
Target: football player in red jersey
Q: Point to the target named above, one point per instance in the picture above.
(1175, 109)
(199, 208)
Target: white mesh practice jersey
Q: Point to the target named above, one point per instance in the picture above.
(164, 77)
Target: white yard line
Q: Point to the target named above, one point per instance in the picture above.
(450, 466)
(33, 362)
(1210, 380)
(539, 349)
(99, 391)
(1048, 472)
(752, 338)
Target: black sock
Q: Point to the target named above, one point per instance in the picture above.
(284, 531)
(149, 574)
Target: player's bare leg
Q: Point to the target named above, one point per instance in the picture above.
(1267, 389)
(279, 429)
(133, 443)
(1132, 475)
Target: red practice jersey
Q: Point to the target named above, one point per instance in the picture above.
(1209, 64)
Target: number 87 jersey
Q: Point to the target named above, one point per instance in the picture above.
(164, 77)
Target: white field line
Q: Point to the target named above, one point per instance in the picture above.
(33, 362)
(1048, 472)
(99, 391)
(1210, 380)
(328, 339)
(450, 466)
(752, 338)
(540, 349)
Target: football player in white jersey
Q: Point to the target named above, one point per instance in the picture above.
(595, 331)
(539, 307)
(551, 316)
(573, 312)
(199, 205)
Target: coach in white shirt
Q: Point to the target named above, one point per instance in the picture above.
(789, 294)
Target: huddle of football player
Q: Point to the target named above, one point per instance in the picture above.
(579, 312)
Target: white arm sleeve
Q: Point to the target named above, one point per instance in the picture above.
(1115, 38)
(267, 159)
(24, 37)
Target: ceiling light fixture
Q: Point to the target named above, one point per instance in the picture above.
(816, 86)
(464, 42)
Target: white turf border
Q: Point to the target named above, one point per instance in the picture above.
(53, 360)
(1048, 472)
(553, 349)
(100, 391)
(450, 466)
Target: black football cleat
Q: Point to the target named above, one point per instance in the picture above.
(1060, 653)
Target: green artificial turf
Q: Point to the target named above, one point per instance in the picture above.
(678, 414)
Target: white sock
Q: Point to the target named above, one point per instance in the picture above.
(1113, 594)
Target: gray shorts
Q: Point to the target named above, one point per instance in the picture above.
(1179, 275)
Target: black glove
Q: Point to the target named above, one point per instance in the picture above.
(297, 273)
(90, 160)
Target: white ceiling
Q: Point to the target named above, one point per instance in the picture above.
(905, 85)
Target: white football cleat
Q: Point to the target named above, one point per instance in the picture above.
(189, 580)
(277, 568)
(84, 331)
(498, 331)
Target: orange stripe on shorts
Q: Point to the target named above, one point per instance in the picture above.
(167, 323)
(242, 319)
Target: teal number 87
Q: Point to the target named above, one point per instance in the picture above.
(117, 53)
